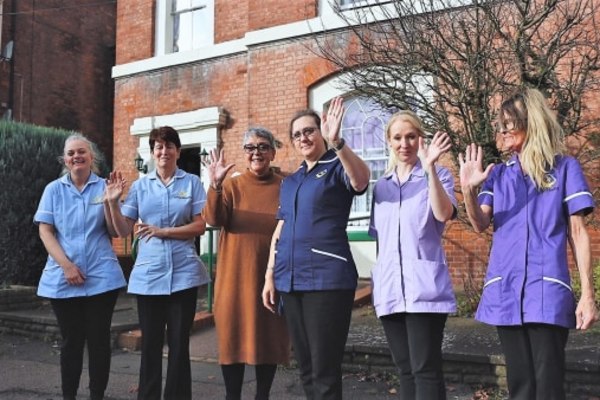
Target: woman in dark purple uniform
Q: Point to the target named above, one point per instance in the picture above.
(536, 201)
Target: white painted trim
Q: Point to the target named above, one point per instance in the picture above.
(190, 120)
(181, 58)
(326, 90)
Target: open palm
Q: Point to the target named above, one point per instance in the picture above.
(332, 120)
(217, 167)
(115, 184)
(430, 154)
(472, 173)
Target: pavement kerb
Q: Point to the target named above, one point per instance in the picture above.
(132, 340)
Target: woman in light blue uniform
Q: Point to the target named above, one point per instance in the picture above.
(82, 276)
(167, 272)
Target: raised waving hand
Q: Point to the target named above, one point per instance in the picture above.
(430, 154)
(218, 168)
(472, 173)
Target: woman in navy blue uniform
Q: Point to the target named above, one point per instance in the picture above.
(310, 265)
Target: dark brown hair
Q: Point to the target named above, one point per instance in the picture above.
(165, 134)
(304, 113)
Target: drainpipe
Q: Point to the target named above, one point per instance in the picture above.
(11, 77)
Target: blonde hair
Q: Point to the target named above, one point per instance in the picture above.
(402, 115)
(97, 157)
(530, 111)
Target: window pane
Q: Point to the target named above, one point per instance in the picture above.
(363, 130)
(200, 22)
(191, 29)
(180, 5)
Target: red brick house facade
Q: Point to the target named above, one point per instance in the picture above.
(257, 66)
(58, 73)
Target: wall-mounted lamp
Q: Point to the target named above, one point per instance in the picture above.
(139, 164)
(203, 156)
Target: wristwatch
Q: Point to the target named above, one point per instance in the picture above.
(340, 145)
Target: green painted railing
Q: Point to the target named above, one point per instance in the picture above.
(210, 258)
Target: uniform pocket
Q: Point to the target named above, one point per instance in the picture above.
(387, 284)
(491, 297)
(557, 282)
(558, 299)
(328, 254)
(430, 281)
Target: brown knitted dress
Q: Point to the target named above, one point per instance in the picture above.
(245, 210)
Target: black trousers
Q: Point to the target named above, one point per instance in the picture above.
(318, 322)
(415, 341)
(535, 360)
(176, 313)
(81, 320)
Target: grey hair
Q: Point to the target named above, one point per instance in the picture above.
(262, 133)
(97, 157)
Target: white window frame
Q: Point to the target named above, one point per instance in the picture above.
(327, 7)
(321, 94)
(164, 26)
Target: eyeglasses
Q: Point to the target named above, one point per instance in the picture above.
(506, 126)
(306, 132)
(261, 147)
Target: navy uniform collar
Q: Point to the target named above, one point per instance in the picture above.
(328, 157)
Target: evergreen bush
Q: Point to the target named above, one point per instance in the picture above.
(28, 162)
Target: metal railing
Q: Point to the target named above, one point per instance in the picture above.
(210, 260)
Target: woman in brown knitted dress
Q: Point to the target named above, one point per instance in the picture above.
(244, 206)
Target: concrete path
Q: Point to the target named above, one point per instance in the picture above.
(30, 371)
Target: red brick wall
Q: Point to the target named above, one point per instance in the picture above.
(268, 13)
(62, 62)
(263, 87)
(235, 18)
(135, 30)
(231, 18)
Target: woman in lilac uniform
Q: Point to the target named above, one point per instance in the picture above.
(412, 290)
(82, 277)
(168, 203)
(537, 201)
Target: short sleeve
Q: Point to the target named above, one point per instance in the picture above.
(279, 214)
(45, 211)
(486, 195)
(348, 185)
(578, 198)
(130, 207)
(372, 229)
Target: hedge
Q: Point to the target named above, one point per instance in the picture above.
(28, 162)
